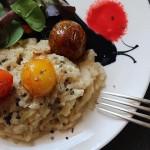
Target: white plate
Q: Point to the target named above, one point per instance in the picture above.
(96, 130)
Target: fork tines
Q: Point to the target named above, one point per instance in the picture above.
(115, 99)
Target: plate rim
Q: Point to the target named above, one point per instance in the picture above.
(123, 126)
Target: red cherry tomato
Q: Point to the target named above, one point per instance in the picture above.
(6, 82)
(27, 28)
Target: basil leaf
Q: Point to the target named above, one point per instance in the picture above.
(15, 32)
(36, 20)
(3, 37)
(3, 32)
(10, 34)
(2, 11)
(39, 2)
(31, 13)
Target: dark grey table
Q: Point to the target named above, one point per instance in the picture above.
(133, 137)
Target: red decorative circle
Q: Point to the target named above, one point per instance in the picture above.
(107, 18)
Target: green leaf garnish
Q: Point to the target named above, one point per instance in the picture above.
(39, 2)
(11, 33)
(2, 11)
(30, 11)
(15, 33)
(3, 38)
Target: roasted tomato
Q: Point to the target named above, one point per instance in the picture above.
(38, 77)
(6, 83)
(68, 39)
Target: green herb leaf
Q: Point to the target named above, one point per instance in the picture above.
(39, 2)
(3, 32)
(11, 33)
(3, 37)
(2, 11)
(36, 20)
(15, 32)
(31, 13)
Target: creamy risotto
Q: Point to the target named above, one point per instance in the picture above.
(24, 117)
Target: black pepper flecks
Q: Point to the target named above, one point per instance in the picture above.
(52, 131)
(24, 95)
(62, 62)
(18, 115)
(67, 81)
(60, 65)
(17, 101)
(8, 117)
(71, 92)
(67, 89)
(52, 138)
(8, 68)
(19, 59)
(55, 57)
(3, 60)
(72, 130)
(56, 106)
(64, 124)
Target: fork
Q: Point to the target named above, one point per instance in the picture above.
(113, 104)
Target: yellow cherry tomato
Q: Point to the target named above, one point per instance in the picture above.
(38, 77)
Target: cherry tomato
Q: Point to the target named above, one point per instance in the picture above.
(6, 83)
(27, 28)
(67, 38)
(38, 77)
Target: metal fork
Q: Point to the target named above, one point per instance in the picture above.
(110, 101)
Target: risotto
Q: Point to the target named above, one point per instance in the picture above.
(24, 117)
